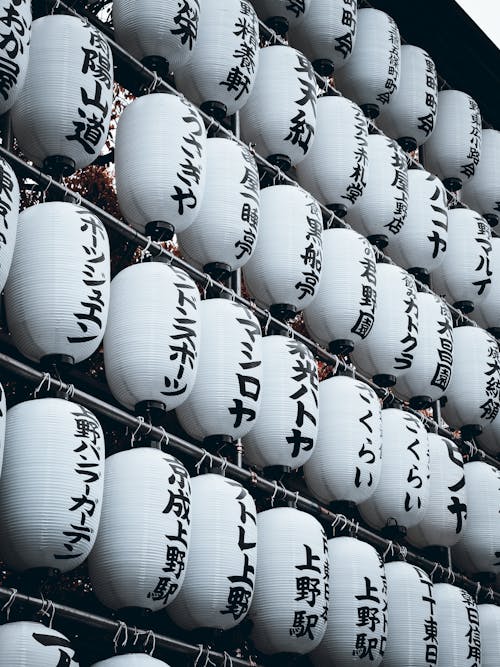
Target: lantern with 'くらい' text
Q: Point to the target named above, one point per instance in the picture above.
(281, 15)
(458, 631)
(489, 625)
(14, 50)
(9, 208)
(25, 644)
(482, 191)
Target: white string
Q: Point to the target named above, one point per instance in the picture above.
(274, 492)
(145, 251)
(7, 606)
(200, 462)
(390, 548)
(70, 392)
(45, 379)
(121, 628)
(227, 660)
(478, 590)
(154, 83)
(138, 428)
(200, 651)
(150, 635)
(403, 551)
(164, 437)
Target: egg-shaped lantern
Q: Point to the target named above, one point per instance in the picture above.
(482, 191)
(25, 644)
(372, 73)
(3, 417)
(388, 350)
(284, 272)
(14, 50)
(222, 561)
(51, 485)
(223, 235)
(489, 440)
(346, 462)
(487, 313)
(57, 298)
(281, 15)
(453, 150)
(226, 396)
(380, 212)
(62, 122)
(220, 74)
(152, 338)
(9, 214)
(446, 514)
(458, 633)
(334, 170)
(489, 626)
(160, 164)
(131, 660)
(290, 604)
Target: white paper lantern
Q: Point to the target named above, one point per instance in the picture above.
(160, 164)
(57, 297)
(152, 338)
(280, 114)
(14, 51)
(380, 211)
(446, 514)
(458, 632)
(411, 633)
(479, 544)
(429, 375)
(334, 170)
(489, 440)
(26, 644)
(9, 213)
(453, 150)
(346, 462)
(482, 191)
(280, 15)
(220, 573)
(489, 624)
(357, 618)
(284, 271)
(3, 414)
(343, 310)
(487, 313)
(372, 73)
(51, 485)
(290, 605)
(388, 350)
(131, 660)
(220, 73)
(223, 236)
(61, 116)
(225, 400)
(464, 276)
(141, 550)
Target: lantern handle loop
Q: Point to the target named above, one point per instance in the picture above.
(335, 523)
(136, 635)
(70, 392)
(390, 548)
(478, 590)
(296, 498)
(211, 123)
(200, 653)
(403, 551)
(208, 283)
(451, 575)
(223, 466)
(205, 455)
(145, 253)
(164, 437)
(47, 609)
(55, 6)
(154, 83)
(49, 181)
(122, 627)
(8, 605)
(336, 365)
(433, 571)
(268, 322)
(45, 379)
(150, 635)
(140, 424)
(489, 594)
(227, 660)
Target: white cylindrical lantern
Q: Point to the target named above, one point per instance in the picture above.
(482, 191)
(489, 625)
(3, 415)
(346, 462)
(479, 544)
(225, 400)
(131, 660)
(220, 74)
(57, 297)
(453, 150)
(402, 493)
(464, 275)
(280, 115)
(429, 375)
(15, 15)
(489, 440)
(372, 73)
(457, 618)
(152, 338)
(487, 313)
(284, 271)
(9, 214)
(343, 310)
(388, 350)
(380, 211)
(223, 235)
(446, 514)
(410, 115)
(140, 554)
(61, 117)
(284, 433)
(290, 605)
(281, 15)
(160, 164)
(25, 644)
(221, 566)
(334, 170)
(51, 486)
(357, 618)
(412, 619)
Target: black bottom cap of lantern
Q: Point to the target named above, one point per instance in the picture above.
(452, 184)
(277, 472)
(408, 144)
(157, 64)
(217, 110)
(279, 24)
(36, 578)
(340, 210)
(341, 346)
(345, 507)
(152, 411)
(218, 270)
(380, 241)
(137, 616)
(384, 380)
(216, 443)
(370, 110)
(323, 67)
(469, 431)
(59, 166)
(464, 306)
(394, 532)
(50, 361)
(159, 230)
(420, 274)
(491, 219)
(420, 402)
(281, 161)
(283, 311)
(494, 331)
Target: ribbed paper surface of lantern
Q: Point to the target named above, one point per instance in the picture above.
(223, 63)
(226, 227)
(280, 115)
(482, 191)
(479, 544)
(285, 267)
(51, 486)
(290, 604)
(446, 514)
(9, 214)
(372, 73)
(293, 11)
(380, 211)
(334, 170)
(131, 660)
(57, 298)
(489, 440)
(140, 554)
(64, 107)
(155, 29)
(453, 150)
(402, 494)
(3, 414)
(411, 112)
(222, 560)
(160, 162)
(357, 617)
(26, 644)
(411, 612)
(487, 313)
(489, 624)
(152, 338)
(14, 50)
(457, 627)
(346, 462)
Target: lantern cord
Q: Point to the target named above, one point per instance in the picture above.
(389, 549)
(200, 652)
(136, 636)
(122, 628)
(403, 551)
(45, 379)
(437, 566)
(227, 660)
(164, 437)
(210, 459)
(7, 606)
(490, 594)
(150, 635)
(268, 322)
(450, 575)
(46, 189)
(209, 283)
(154, 83)
(274, 492)
(145, 252)
(69, 392)
(140, 425)
(478, 590)
(47, 609)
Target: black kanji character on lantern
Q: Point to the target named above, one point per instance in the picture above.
(163, 590)
(299, 442)
(307, 589)
(178, 503)
(458, 508)
(237, 602)
(236, 80)
(181, 535)
(187, 21)
(364, 648)
(303, 624)
(88, 132)
(368, 616)
(367, 595)
(244, 578)
(59, 642)
(300, 131)
(310, 559)
(174, 560)
(426, 123)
